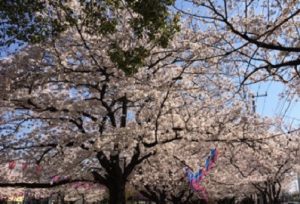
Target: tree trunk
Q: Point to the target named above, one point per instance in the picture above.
(162, 201)
(176, 201)
(276, 200)
(117, 193)
(226, 201)
(83, 198)
(264, 197)
(60, 198)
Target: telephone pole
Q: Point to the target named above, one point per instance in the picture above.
(253, 100)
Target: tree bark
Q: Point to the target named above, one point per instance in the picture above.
(117, 193)
(60, 198)
(264, 198)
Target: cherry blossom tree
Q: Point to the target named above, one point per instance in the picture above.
(232, 132)
(260, 37)
(118, 107)
(90, 121)
(166, 182)
(110, 122)
(263, 168)
(108, 103)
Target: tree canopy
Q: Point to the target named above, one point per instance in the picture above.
(113, 98)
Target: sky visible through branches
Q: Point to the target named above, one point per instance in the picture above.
(269, 99)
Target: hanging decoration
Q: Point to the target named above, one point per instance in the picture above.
(24, 166)
(211, 160)
(12, 165)
(195, 178)
(54, 179)
(83, 185)
(57, 178)
(38, 168)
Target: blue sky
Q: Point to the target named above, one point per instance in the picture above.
(275, 105)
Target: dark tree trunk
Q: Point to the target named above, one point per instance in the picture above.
(117, 193)
(276, 200)
(176, 201)
(162, 200)
(182, 197)
(83, 198)
(158, 196)
(264, 198)
(117, 172)
(60, 198)
(227, 201)
(247, 201)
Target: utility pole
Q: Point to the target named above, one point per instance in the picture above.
(258, 197)
(253, 100)
(298, 183)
